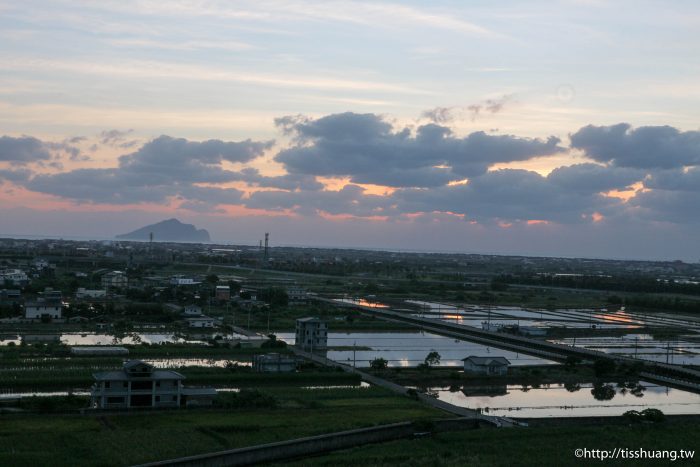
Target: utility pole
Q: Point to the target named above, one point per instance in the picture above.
(267, 237)
(354, 345)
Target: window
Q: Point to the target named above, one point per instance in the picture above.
(157, 398)
(107, 384)
(115, 400)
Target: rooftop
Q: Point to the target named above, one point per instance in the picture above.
(487, 361)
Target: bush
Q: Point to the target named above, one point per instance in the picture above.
(646, 415)
(653, 415)
(603, 366)
(378, 364)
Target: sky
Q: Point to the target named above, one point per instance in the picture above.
(548, 128)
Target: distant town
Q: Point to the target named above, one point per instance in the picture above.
(440, 342)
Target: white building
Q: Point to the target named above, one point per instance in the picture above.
(181, 280)
(139, 384)
(13, 277)
(486, 365)
(41, 264)
(311, 334)
(40, 308)
(296, 294)
(201, 322)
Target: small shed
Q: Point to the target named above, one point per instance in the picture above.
(491, 366)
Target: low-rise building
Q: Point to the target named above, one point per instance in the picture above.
(139, 384)
(201, 322)
(491, 366)
(274, 363)
(43, 308)
(223, 292)
(116, 279)
(10, 296)
(296, 294)
(192, 310)
(182, 280)
(15, 277)
(311, 334)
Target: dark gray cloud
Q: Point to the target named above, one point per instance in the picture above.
(509, 195)
(647, 147)
(368, 149)
(350, 200)
(674, 180)
(15, 175)
(23, 150)
(593, 178)
(161, 169)
(678, 207)
(285, 182)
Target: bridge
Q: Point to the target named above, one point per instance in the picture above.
(672, 375)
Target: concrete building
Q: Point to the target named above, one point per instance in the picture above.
(491, 366)
(139, 384)
(40, 308)
(15, 277)
(201, 322)
(311, 334)
(274, 363)
(223, 292)
(10, 296)
(296, 294)
(115, 279)
(192, 310)
(182, 280)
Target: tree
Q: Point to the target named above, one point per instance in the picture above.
(603, 366)
(433, 358)
(212, 279)
(603, 392)
(378, 364)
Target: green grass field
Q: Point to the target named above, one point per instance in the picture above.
(131, 438)
(544, 446)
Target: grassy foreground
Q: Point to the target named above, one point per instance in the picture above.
(133, 438)
(543, 446)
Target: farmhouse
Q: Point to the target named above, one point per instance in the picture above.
(140, 384)
(486, 365)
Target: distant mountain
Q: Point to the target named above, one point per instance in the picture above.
(171, 230)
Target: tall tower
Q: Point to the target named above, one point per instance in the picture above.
(267, 237)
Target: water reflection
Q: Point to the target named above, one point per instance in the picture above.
(408, 349)
(570, 400)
